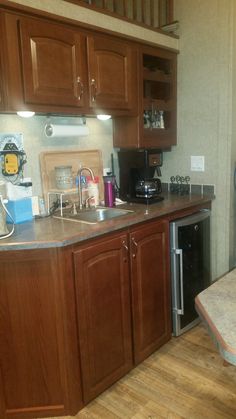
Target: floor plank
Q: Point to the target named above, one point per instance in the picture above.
(185, 379)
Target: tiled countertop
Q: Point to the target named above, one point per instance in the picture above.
(217, 308)
(50, 232)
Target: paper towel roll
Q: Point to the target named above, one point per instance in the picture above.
(54, 130)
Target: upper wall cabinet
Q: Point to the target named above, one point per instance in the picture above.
(2, 95)
(51, 68)
(112, 79)
(1, 89)
(53, 64)
(155, 126)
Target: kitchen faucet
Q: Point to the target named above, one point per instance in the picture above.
(79, 173)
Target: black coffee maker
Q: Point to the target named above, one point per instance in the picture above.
(137, 170)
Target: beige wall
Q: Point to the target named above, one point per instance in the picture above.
(35, 141)
(62, 8)
(205, 109)
(233, 156)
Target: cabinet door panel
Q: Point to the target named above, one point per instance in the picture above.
(104, 316)
(150, 288)
(1, 86)
(112, 74)
(32, 349)
(53, 60)
(1, 64)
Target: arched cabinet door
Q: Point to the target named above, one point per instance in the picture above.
(104, 313)
(112, 73)
(149, 248)
(53, 64)
(2, 103)
(1, 87)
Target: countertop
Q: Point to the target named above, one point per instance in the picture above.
(51, 232)
(216, 307)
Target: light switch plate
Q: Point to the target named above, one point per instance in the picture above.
(197, 163)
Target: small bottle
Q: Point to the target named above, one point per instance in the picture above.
(109, 191)
(162, 123)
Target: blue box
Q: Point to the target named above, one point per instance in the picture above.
(20, 210)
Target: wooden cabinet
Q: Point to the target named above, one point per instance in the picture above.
(112, 68)
(53, 64)
(103, 286)
(61, 68)
(39, 363)
(155, 126)
(46, 66)
(101, 306)
(1, 87)
(104, 313)
(150, 281)
(2, 93)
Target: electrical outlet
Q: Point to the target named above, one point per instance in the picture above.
(197, 163)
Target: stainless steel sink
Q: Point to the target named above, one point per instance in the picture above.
(94, 216)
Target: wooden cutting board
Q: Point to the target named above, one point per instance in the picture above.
(75, 158)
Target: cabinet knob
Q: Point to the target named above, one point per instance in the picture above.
(93, 90)
(124, 244)
(134, 248)
(81, 86)
(126, 250)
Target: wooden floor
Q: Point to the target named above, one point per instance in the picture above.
(184, 379)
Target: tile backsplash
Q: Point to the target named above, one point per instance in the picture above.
(195, 189)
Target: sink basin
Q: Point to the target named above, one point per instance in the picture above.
(94, 216)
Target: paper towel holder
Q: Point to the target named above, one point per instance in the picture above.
(80, 125)
(64, 120)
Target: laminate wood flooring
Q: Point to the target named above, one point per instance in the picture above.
(185, 379)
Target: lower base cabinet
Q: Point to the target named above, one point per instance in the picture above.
(103, 304)
(150, 282)
(111, 297)
(39, 361)
(74, 320)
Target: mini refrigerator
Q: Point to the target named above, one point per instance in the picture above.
(190, 267)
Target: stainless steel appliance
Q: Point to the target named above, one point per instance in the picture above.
(190, 267)
(139, 175)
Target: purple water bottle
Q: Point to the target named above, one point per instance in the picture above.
(109, 191)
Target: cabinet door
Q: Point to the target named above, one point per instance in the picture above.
(112, 74)
(104, 314)
(1, 86)
(1, 64)
(36, 347)
(53, 62)
(150, 288)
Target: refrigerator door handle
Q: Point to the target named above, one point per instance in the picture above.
(181, 281)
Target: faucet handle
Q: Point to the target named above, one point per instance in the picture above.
(90, 202)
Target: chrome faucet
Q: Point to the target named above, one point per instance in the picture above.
(79, 173)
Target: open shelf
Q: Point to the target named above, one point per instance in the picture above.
(155, 124)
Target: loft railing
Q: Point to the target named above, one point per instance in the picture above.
(151, 13)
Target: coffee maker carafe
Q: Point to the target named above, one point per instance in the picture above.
(139, 175)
